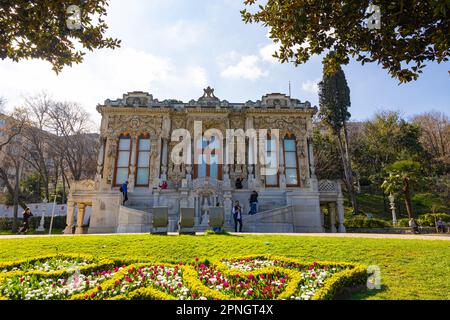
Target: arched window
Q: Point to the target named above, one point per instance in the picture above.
(271, 149)
(143, 161)
(290, 161)
(212, 169)
(123, 160)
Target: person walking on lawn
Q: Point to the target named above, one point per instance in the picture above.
(25, 225)
(237, 214)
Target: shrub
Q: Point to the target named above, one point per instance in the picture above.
(403, 223)
(364, 222)
(59, 222)
(429, 219)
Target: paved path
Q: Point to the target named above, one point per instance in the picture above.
(333, 235)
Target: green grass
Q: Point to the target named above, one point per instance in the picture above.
(410, 269)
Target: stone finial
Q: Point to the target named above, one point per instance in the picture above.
(208, 95)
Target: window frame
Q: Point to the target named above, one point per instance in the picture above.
(294, 138)
(277, 185)
(122, 136)
(208, 166)
(144, 136)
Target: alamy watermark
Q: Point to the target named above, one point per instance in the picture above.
(263, 147)
(73, 21)
(374, 277)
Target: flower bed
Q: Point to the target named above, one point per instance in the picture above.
(251, 278)
(258, 286)
(165, 278)
(35, 287)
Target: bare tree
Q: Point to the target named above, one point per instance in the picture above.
(70, 125)
(435, 134)
(36, 140)
(10, 174)
(11, 125)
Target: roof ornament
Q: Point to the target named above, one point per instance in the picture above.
(208, 95)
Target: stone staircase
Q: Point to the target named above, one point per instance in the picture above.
(136, 215)
(278, 219)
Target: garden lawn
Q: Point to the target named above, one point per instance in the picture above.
(410, 269)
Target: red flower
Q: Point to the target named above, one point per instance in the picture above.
(93, 294)
(99, 288)
(87, 282)
(196, 259)
(86, 296)
(225, 284)
(202, 266)
(250, 277)
(237, 276)
(194, 295)
(282, 280)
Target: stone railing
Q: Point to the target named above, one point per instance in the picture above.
(206, 183)
(328, 186)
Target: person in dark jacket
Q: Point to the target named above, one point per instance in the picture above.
(237, 215)
(238, 183)
(26, 217)
(253, 202)
(124, 190)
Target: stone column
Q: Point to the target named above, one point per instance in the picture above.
(312, 166)
(281, 165)
(322, 216)
(332, 212)
(70, 216)
(340, 211)
(110, 161)
(154, 163)
(80, 218)
(164, 159)
(133, 164)
(227, 206)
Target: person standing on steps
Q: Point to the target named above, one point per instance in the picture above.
(124, 190)
(253, 202)
(237, 214)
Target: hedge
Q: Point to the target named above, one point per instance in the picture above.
(59, 222)
(364, 222)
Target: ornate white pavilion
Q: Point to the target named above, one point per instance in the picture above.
(137, 144)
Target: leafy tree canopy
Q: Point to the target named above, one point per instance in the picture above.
(39, 29)
(411, 32)
(334, 100)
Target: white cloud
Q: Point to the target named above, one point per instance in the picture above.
(236, 66)
(104, 74)
(267, 52)
(311, 86)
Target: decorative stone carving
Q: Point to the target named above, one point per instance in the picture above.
(208, 95)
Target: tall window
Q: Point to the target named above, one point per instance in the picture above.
(123, 160)
(143, 161)
(290, 161)
(271, 148)
(212, 169)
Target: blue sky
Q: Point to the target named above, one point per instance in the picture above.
(175, 48)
